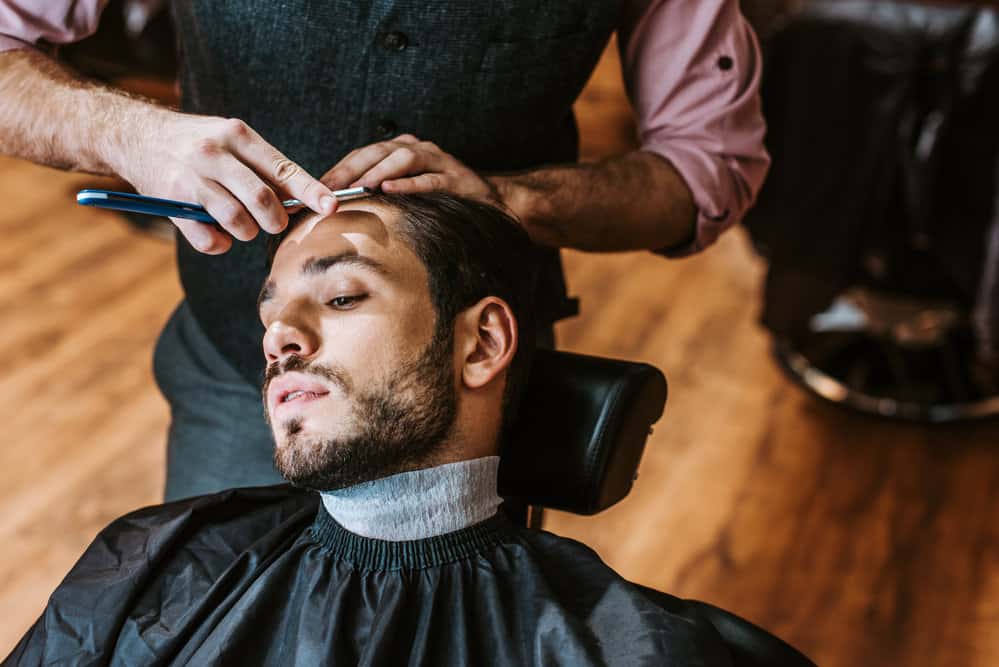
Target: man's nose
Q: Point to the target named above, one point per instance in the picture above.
(285, 337)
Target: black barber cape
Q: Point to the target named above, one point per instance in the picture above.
(266, 577)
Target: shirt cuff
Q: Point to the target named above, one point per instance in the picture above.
(713, 193)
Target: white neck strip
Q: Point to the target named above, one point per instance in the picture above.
(418, 504)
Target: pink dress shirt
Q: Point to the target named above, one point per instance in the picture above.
(691, 68)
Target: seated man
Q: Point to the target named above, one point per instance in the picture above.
(395, 361)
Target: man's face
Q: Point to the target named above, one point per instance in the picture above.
(358, 386)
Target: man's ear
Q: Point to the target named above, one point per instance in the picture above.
(486, 340)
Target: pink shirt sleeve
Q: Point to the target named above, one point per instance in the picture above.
(692, 70)
(25, 23)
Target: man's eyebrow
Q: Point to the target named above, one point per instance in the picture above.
(317, 265)
(266, 293)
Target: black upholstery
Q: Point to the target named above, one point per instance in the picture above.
(581, 431)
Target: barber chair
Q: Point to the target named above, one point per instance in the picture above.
(880, 217)
(579, 439)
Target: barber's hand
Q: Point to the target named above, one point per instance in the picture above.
(407, 165)
(225, 166)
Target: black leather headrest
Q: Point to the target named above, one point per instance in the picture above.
(581, 431)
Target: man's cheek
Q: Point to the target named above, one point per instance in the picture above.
(367, 344)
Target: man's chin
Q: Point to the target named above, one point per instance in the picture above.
(303, 438)
(314, 460)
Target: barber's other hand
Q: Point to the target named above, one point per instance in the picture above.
(407, 165)
(224, 165)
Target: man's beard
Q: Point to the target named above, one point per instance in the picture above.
(395, 428)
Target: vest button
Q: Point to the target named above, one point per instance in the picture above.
(386, 128)
(394, 41)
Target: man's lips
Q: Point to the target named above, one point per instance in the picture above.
(294, 388)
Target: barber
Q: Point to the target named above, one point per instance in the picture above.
(470, 96)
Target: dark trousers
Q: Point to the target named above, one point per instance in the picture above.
(218, 438)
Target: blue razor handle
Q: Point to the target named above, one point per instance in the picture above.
(169, 208)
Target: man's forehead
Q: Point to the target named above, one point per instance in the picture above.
(375, 220)
(364, 229)
(361, 235)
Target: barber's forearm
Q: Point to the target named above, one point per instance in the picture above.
(635, 201)
(52, 118)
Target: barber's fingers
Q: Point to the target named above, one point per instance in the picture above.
(406, 160)
(406, 139)
(255, 196)
(413, 184)
(203, 237)
(277, 169)
(357, 162)
(227, 210)
(206, 237)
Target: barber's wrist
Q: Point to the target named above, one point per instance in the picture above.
(508, 193)
(528, 204)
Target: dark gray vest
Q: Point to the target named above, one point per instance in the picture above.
(490, 81)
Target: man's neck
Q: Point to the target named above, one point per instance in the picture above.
(419, 504)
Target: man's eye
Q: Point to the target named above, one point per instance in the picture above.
(345, 302)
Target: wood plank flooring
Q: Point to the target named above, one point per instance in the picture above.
(860, 541)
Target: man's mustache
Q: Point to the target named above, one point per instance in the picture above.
(332, 374)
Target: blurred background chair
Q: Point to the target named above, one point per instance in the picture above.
(880, 219)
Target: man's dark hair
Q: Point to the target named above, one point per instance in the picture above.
(472, 250)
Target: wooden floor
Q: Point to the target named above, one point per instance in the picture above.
(860, 541)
